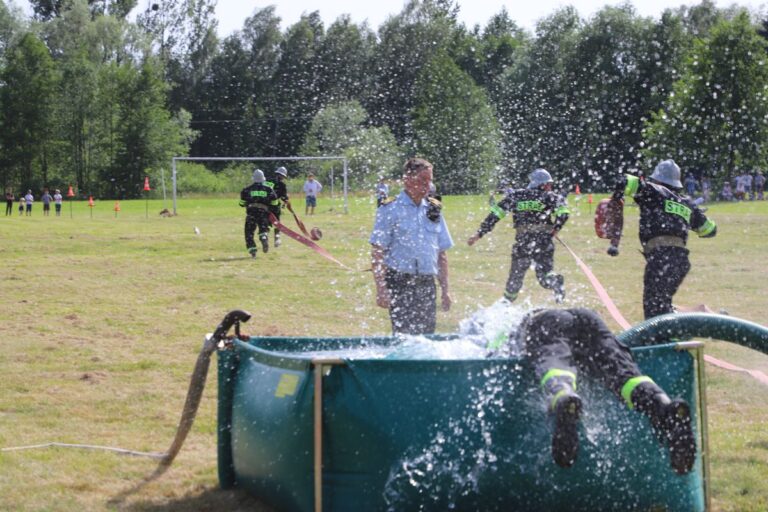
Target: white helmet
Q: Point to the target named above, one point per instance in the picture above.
(282, 171)
(668, 173)
(538, 178)
(258, 176)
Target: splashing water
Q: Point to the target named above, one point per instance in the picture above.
(438, 475)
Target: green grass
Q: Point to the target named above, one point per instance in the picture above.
(103, 317)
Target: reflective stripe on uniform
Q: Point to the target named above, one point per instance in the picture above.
(556, 372)
(629, 387)
(663, 241)
(678, 209)
(562, 210)
(707, 228)
(529, 206)
(498, 212)
(633, 185)
(560, 394)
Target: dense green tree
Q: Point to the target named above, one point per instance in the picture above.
(146, 134)
(296, 94)
(46, 10)
(534, 98)
(26, 99)
(407, 42)
(344, 60)
(716, 119)
(10, 27)
(340, 130)
(610, 91)
(456, 128)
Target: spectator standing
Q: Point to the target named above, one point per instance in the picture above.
(46, 198)
(57, 200)
(726, 194)
(29, 199)
(747, 178)
(312, 187)
(382, 191)
(9, 199)
(22, 205)
(759, 185)
(408, 250)
(740, 190)
(706, 189)
(690, 185)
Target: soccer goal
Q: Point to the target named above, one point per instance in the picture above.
(175, 159)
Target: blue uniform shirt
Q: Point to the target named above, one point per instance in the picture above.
(410, 240)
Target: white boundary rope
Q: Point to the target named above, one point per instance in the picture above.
(154, 455)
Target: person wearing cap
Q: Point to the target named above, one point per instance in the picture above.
(312, 187)
(256, 199)
(561, 343)
(281, 191)
(666, 216)
(408, 251)
(538, 215)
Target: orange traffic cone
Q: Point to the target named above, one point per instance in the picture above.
(117, 207)
(578, 190)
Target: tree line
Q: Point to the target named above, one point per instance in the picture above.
(95, 98)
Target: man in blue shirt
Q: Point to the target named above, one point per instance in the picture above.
(409, 241)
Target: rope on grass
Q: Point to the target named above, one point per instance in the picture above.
(153, 455)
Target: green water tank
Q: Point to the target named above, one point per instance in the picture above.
(437, 435)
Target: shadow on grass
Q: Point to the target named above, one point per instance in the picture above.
(211, 500)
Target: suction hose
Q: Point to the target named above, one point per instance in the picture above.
(662, 328)
(197, 382)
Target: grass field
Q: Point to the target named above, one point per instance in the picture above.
(102, 319)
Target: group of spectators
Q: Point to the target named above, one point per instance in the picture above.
(745, 186)
(27, 200)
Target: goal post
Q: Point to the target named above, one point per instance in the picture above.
(175, 159)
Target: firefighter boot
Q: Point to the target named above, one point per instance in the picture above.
(557, 283)
(566, 406)
(264, 242)
(252, 252)
(671, 421)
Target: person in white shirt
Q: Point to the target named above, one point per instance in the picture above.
(312, 187)
(57, 201)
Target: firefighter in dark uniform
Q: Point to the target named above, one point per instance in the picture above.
(561, 342)
(256, 199)
(666, 216)
(538, 214)
(281, 191)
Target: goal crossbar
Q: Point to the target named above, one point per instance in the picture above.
(255, 159)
